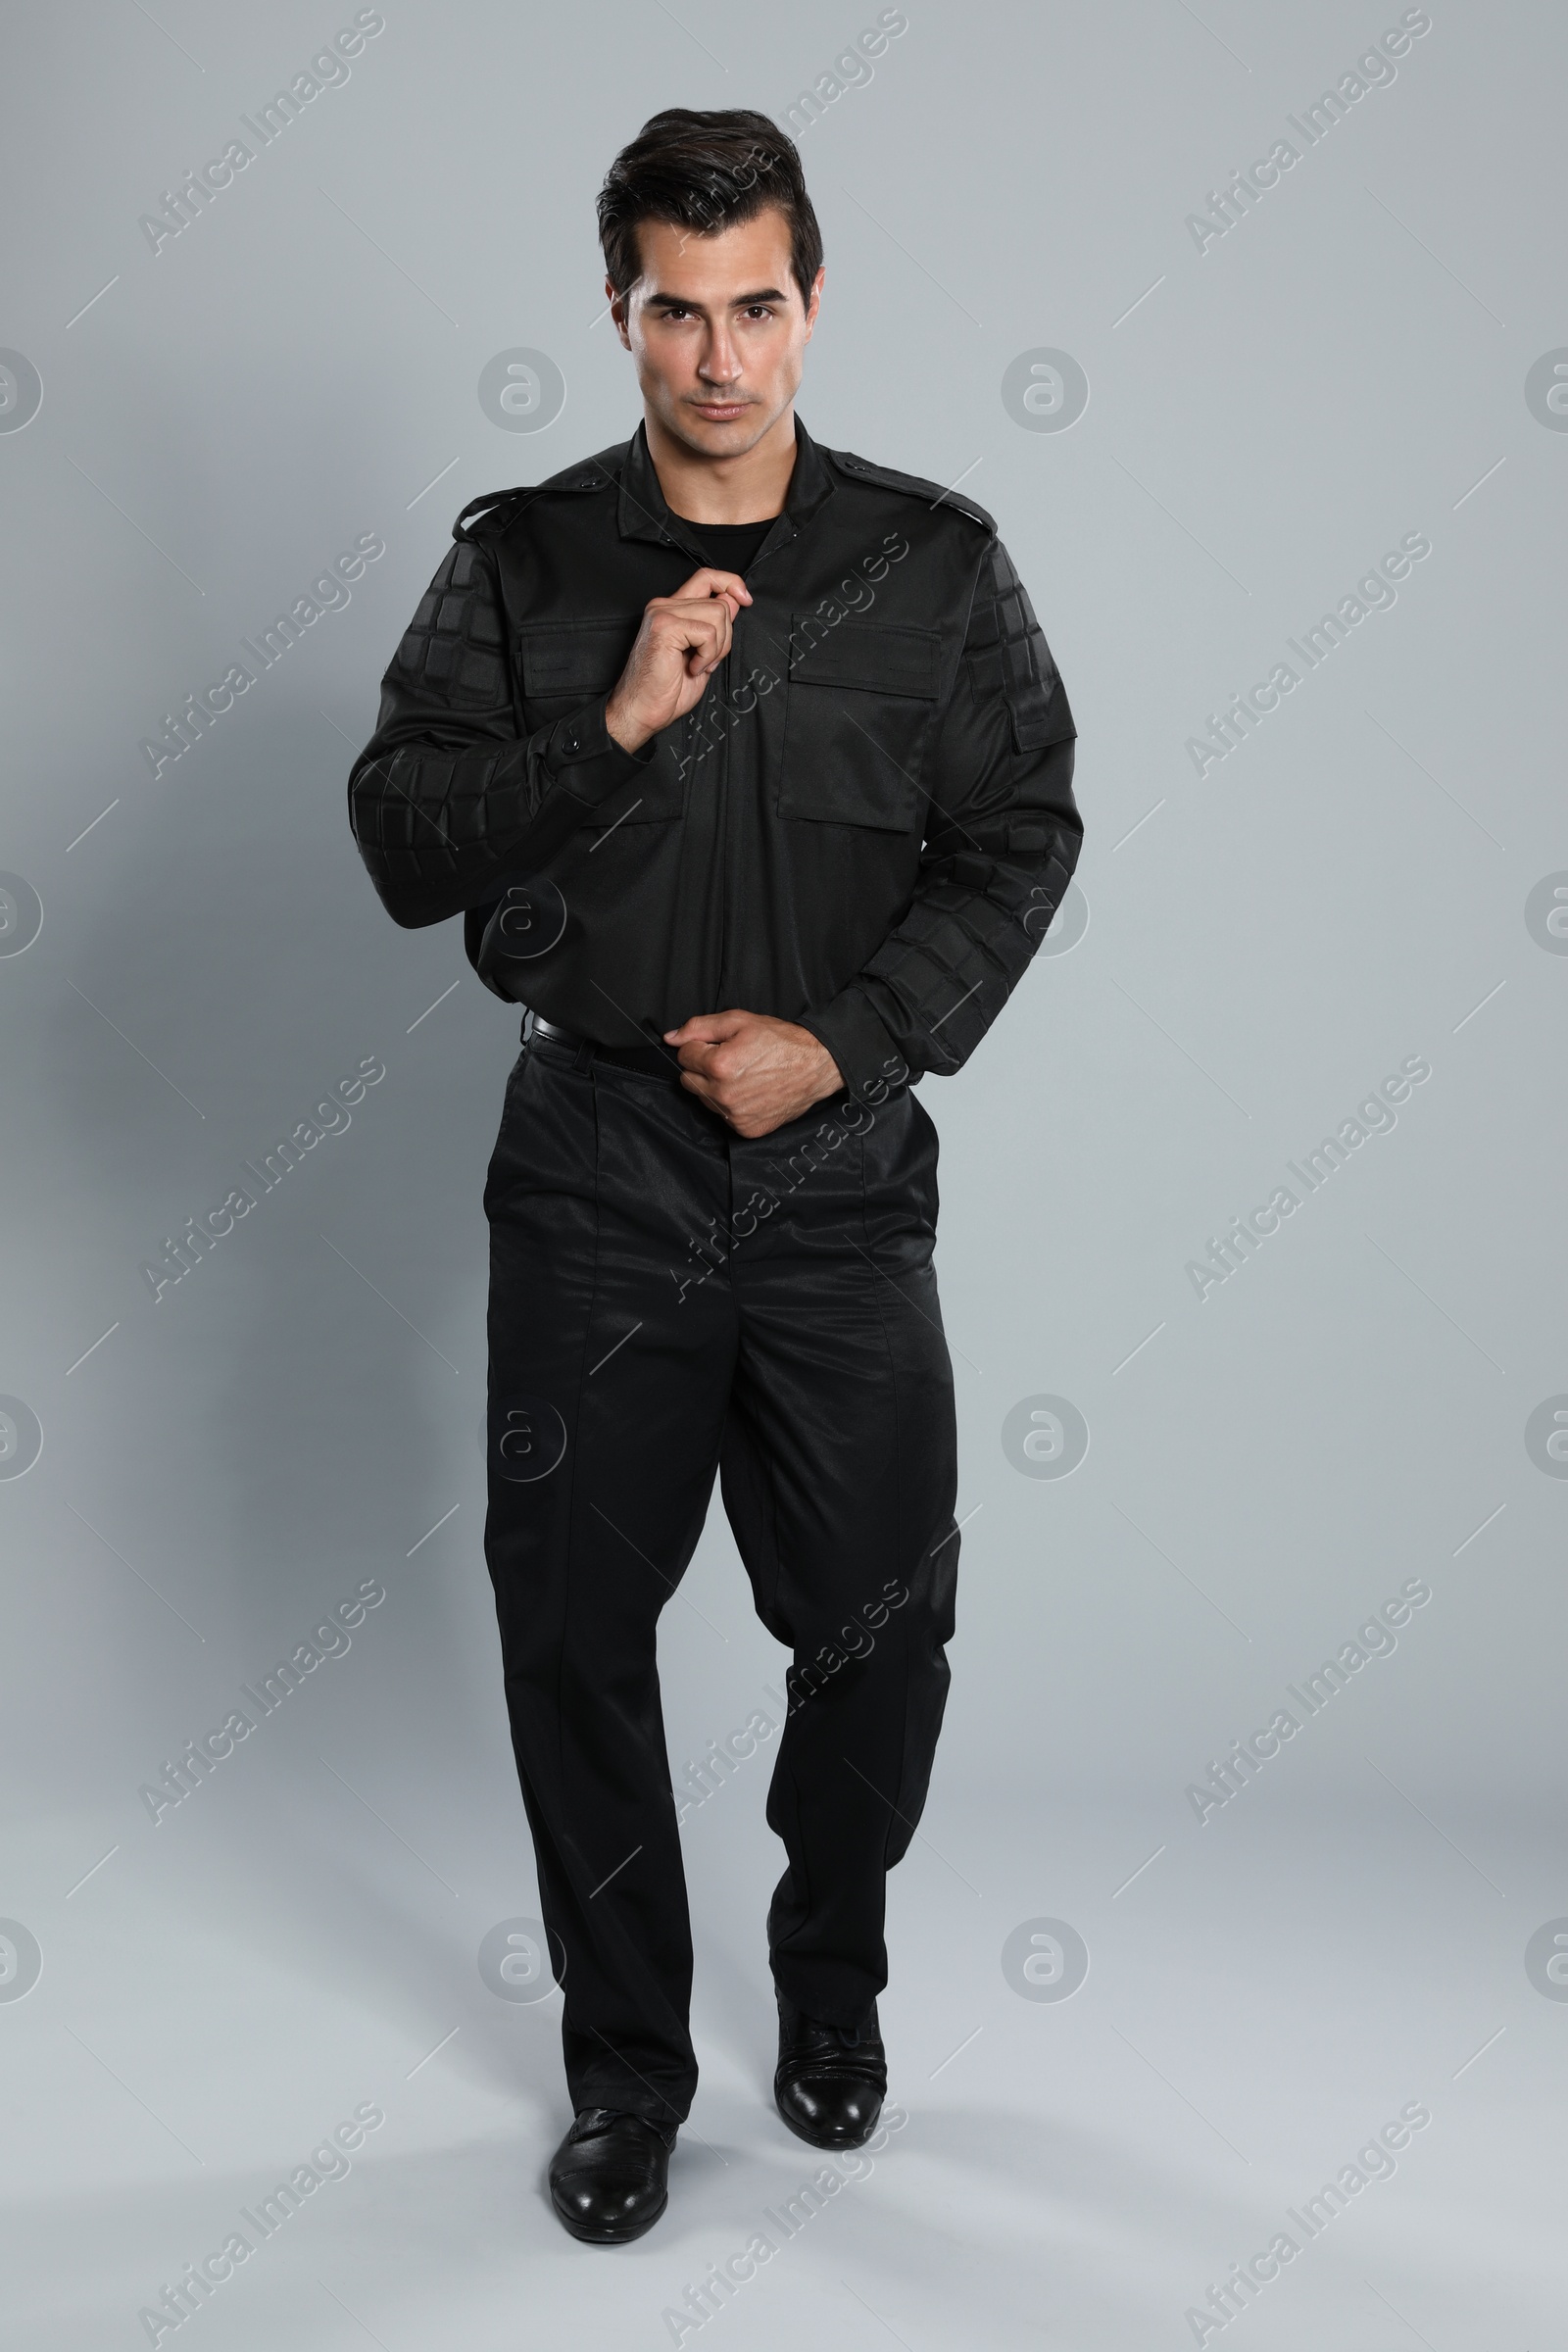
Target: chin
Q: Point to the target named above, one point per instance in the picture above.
(733, 438)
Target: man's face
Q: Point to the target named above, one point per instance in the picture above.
(718, 330)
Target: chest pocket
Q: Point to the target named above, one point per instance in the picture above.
(859, 710)
(566, 664)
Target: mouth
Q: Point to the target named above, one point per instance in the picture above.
(721, 412)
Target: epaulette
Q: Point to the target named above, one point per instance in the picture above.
(912, 484)
(497, 510)
(490, 513)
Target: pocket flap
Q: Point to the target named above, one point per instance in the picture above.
(884, 657)
(574, 656)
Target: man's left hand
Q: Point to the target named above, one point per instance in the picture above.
(754, 1071)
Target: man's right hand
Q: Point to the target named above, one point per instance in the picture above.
(683, 639)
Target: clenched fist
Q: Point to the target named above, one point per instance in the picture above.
(753, 1070)
(682, 639)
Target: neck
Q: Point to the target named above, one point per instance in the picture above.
(750, 487)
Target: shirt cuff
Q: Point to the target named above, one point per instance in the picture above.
(582, 754)
(870, 1061)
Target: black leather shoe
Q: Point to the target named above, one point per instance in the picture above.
(607, 2179)
(830, 2082)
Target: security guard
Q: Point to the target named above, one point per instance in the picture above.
(750, 771)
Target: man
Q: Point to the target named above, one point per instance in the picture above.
(748, 768)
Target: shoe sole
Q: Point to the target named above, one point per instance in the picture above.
(589, 2236)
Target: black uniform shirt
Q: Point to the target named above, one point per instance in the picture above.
(864, 826)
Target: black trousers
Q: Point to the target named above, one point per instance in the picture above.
(667, 1300)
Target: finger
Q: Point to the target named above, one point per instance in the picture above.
(701, 633)
(691, 624)
(707, 1027)
(721, 627)
(710, 581)
(703, 1082)
(699, 613)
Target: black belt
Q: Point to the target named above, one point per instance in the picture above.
(658, 1061)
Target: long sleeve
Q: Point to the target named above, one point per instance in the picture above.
(1002, 836)
(449, 799)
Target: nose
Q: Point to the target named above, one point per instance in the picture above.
(720, 363)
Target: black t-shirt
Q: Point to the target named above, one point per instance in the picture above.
(728, 545)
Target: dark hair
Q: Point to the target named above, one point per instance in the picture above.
(705, 171)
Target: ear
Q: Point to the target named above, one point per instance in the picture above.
(816, 303)
(618, 312)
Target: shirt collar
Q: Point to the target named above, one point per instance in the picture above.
(644, 513)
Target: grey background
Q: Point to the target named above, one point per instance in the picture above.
(1266, 1466)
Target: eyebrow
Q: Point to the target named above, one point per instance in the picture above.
(679, 302)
